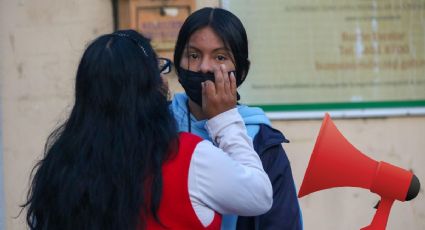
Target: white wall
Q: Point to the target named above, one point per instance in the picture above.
(41, 43)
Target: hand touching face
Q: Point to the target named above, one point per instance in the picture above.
(220, 95)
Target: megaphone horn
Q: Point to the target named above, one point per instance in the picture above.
(334, 162)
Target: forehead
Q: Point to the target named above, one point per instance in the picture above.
(205, 39)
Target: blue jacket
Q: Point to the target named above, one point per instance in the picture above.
(285, 212)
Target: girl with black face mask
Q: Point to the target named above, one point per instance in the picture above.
(208, 39)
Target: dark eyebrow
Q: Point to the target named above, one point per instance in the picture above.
(223, 49)
(191, 47)
(215, 50)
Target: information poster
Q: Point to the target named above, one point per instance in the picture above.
(160, 21)
(162, 24)
(322, 54)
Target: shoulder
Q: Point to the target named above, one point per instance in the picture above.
(188, 140)
(268, 144)
(189, 136)
(268, 137)
(253, 115)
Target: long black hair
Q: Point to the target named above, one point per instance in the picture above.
(227, 26)
(102, 167)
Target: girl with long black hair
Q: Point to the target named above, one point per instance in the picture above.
(208, 38)
(118, 161)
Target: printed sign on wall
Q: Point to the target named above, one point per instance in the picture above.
(308, 55)
(160, 21)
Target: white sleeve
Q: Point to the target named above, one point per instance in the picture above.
(229, 179)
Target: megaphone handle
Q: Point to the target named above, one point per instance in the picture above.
(380, 219)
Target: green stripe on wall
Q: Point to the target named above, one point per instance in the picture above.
(340, 106)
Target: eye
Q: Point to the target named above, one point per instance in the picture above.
(194, 56)
(221, 57)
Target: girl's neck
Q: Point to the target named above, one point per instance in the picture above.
(196, 111)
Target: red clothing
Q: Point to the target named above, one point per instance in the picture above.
(175, 210)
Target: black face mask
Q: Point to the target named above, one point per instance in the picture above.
(191, 82)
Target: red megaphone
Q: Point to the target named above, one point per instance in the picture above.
(336, 163)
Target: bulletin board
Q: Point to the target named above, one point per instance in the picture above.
(161, 24)
(333, 55)
(159, 20)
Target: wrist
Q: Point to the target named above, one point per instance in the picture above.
(221, 121)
